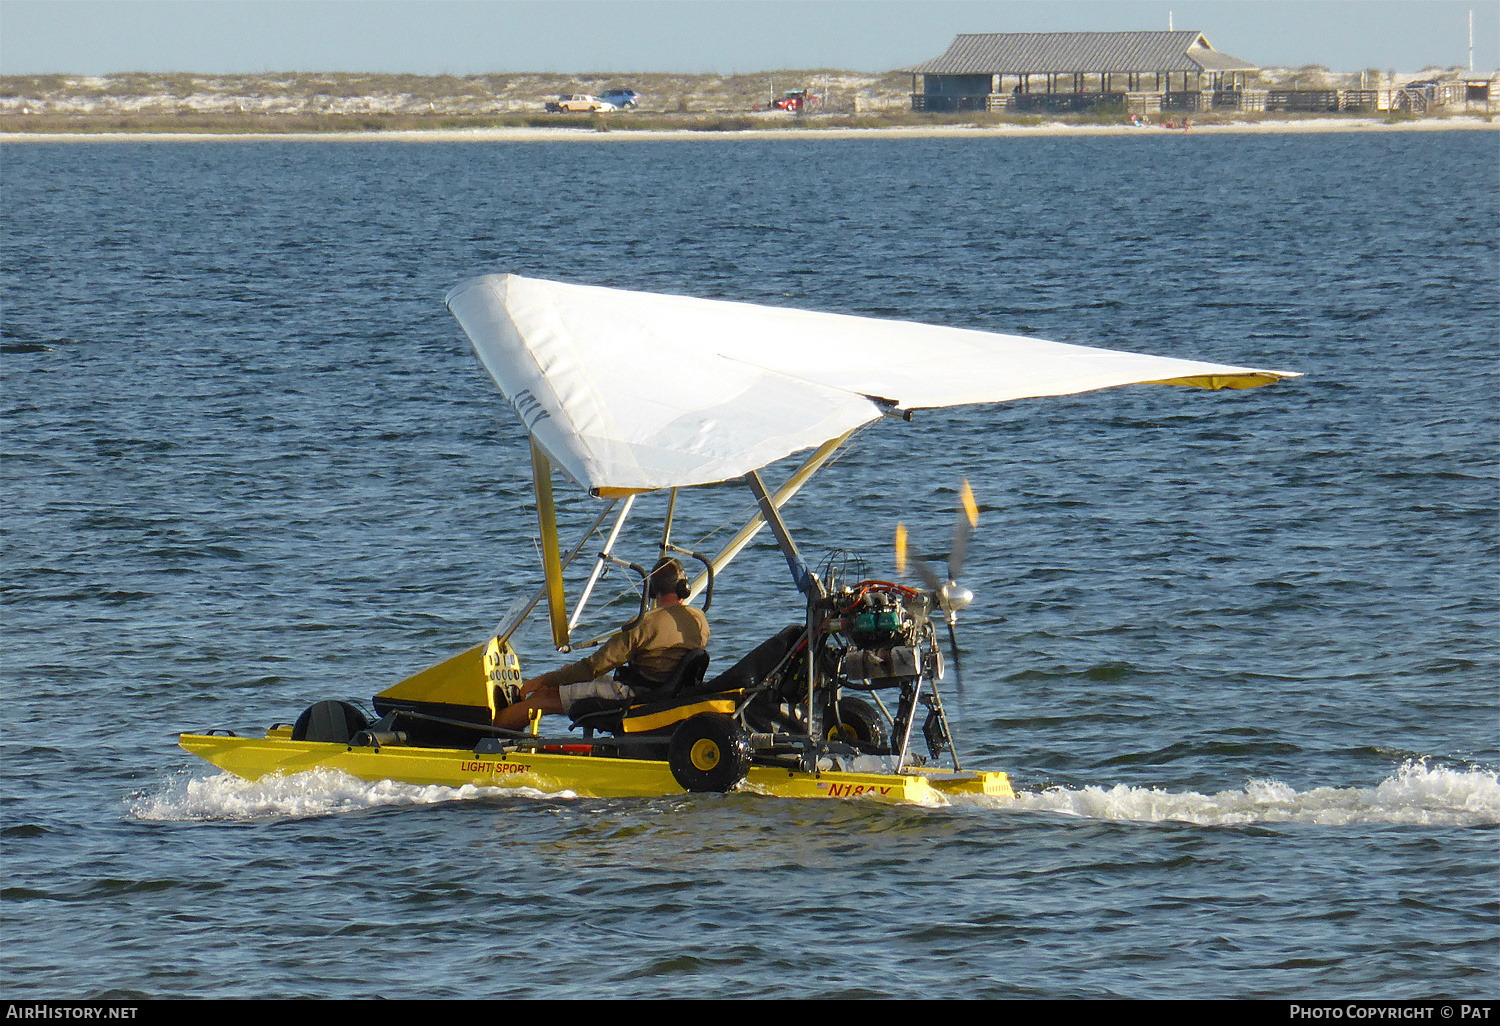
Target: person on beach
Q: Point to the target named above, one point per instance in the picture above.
(649, 651)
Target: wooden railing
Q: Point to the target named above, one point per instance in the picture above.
(1415, 99)
(978, 102)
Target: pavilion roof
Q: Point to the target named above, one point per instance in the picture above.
(1033, 53)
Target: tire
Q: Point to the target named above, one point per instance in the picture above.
(329, 722)
(709, 753)
(858, 721)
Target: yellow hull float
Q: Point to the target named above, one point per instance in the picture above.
(575, 772)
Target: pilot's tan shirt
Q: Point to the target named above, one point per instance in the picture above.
(654, 646)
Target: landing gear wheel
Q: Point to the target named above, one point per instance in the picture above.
(709, 753)
(858, 722)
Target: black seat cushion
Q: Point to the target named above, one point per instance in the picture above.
(760, 661)
(687, 674)
(605, 713)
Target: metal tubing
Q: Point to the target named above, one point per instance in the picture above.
(708, 594)
(752, 527)
(645, 600)
(937, 701)
(546, 514)
(645, 591)
(814, 721)
(609, 547)
(911, 718)
(806, 581)
(666, 527)
(505, 631)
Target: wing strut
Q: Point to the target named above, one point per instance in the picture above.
(800, 477)
(807, 582)
(603, 557)
(546, 514)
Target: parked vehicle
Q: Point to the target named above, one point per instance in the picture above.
(796, 101)
(577, 102)
(621, 99)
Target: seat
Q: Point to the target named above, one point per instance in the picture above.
(686, 675)
(599, 713)
(759, 662)
(657, 707)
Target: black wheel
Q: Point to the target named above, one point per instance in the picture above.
(709, 753)
(858, 721)
(330, 721)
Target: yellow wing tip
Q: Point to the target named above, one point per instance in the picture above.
(1214, 382)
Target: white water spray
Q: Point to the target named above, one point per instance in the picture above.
(1417, 793)
(224, 797)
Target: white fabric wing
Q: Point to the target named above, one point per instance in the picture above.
(634, 391)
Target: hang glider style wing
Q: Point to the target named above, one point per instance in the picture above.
(634, 391)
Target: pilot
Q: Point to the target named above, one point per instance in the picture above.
(649, 650)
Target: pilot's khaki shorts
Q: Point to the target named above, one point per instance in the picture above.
(604, 687)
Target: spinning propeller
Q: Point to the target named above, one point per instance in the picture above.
(949, 595)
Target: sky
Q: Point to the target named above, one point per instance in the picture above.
(463, 37)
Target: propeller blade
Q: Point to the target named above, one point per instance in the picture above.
(958, 667)
(963, 527)
(971, 508)
(927, 573)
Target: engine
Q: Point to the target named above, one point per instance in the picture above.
(881, 635)
(869, 636)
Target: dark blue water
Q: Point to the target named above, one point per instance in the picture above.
(1238, 651)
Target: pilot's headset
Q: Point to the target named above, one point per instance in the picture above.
(667, 576)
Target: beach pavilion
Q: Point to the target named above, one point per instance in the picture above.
(1058, 72)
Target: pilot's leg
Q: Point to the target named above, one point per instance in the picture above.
(518, 715)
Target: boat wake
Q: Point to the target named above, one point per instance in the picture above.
(225, 797)
(1418, 793)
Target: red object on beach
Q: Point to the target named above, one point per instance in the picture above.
(795, 101)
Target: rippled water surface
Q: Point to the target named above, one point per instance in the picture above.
(1238, 651)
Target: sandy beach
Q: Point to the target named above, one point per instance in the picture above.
(948, 131)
